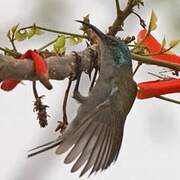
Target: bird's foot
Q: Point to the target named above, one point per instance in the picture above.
(61, 126)
(78, 70)
(77, 96)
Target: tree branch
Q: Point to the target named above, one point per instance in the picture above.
(148, 60)
(65, 66)
(59, 67)
(122, 15)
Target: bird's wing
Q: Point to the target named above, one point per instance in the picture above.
(97, 140)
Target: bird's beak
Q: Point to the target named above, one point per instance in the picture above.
(99, 33)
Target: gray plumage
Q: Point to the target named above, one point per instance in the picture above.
(95, 135)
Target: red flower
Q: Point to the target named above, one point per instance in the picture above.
(155, 47)
(8, 85)
(40, 69)
(156, 88)
(159, 87)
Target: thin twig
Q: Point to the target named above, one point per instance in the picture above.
(12, 41)
(142, 22)
(47, 45)
(157, 76)
(137, 68)
(55, 31)
(168, 99)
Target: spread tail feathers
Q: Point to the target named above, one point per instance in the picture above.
(44, 147)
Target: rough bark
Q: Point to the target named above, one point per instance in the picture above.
(59, 67)
(62, 67)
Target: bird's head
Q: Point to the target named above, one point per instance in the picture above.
(110, 40)
(117, 47)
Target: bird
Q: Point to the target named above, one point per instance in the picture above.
(94, 136)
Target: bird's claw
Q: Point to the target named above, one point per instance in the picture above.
(61, 126)
(78, 70)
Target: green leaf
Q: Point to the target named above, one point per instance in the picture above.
(34, 31)
(72, 41)
(39, 32)
(59, 50)
(12, 31)
(14, 28)
(59, 45)
(75, 40)
(21, 35)
(79, 40)
(153, 22)
(60, 42)
(31, 32)
(62, 50)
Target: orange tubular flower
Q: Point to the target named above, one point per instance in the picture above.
(159, 87)
(40, 69)
(156, 88)
(9, 85)
(155, 47)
